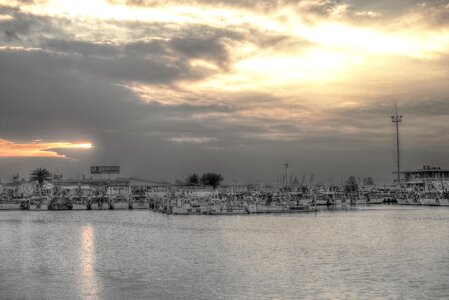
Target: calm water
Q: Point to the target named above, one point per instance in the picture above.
(379, 252)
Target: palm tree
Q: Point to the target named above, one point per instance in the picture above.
(40, 175)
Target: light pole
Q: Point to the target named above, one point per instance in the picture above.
(397, 119)
(286, 175)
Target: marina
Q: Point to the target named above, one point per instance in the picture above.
(226, 200)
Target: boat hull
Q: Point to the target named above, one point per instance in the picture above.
(140, 205)
(375, 201)
(38, 207)
(77, 206)
(430, 201)
(182, 211)
(119, 205)
(98, 206)
(408, 201)
(11, 206)
(444, 202)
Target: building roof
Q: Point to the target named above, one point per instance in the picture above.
(112, 181)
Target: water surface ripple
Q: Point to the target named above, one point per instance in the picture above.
(380, 252)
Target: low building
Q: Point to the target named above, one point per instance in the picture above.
(418, 177)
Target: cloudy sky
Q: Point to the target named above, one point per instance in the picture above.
(165, 88)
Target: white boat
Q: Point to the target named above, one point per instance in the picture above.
(374, 198)
(79, 206)
(139, 202)
(358, 200)
(119, 203)
(322, 199)
(186, 210)
(12, 205)
(408, 201)
(229, 211)
(37, 206)
(79, 203)
(273, 208)
(430, 201)
(140, 205)
(38, 203)
(98, 204)
(444, 201)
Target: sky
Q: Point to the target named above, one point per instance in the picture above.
(167, 88)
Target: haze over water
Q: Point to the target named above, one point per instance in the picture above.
(371, 252)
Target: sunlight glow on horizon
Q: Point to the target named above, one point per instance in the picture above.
(38, 148)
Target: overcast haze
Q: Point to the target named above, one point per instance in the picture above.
(166, 88)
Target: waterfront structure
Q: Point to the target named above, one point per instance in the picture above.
(420, 176)
(18, 188)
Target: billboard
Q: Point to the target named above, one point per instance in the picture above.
(105, 170)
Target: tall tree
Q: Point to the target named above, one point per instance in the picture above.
(211, 179)
(351, 184)
(40, 175)
(193, 179)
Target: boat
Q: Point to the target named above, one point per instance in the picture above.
(183, 210)
(60, 203)
(229, 210)
(119, 202)
(444, 201)
(374, 198)
(140, 205)
(408, 201)
(139, 202)
(38, 203)
(428, 200)
(13, 204)
(322, 199)
(79, 203)
(97, 203)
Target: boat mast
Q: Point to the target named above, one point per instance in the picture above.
(397, 119)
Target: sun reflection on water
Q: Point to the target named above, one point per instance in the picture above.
(89, 283)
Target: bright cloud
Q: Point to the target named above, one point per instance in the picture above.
(38, 148)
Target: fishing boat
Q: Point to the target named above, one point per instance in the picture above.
(444, 201)
(38, 203)
(9, 203)
(408, 198)
(357, 199)
(429, 200)
(13, 204)
(98, 203)
(139, 202)
(119, 202)
(374, 197)
(183, 210)
(228, 210)
(140, 205)
(79, 203)
(60, 203)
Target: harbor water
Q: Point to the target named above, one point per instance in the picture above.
(377, 252)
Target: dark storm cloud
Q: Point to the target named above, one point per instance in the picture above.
(65, 93)
(155, 61)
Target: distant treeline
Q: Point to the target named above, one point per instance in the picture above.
(211, 179)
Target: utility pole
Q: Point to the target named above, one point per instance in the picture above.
(397, 119)
(286, 174)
